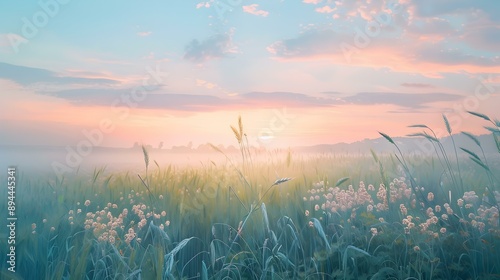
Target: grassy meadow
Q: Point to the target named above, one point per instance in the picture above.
(290, 216)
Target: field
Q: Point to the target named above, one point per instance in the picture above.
(286, 216)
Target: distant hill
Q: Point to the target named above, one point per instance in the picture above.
(408, 145)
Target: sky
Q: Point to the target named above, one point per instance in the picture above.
(297, 72)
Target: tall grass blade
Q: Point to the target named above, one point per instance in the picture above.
(240, 125)
(146, 156)
(447, 123)
(480, 163)
(493, 130)
(497, 122)
(341, 181)
(236, 134)
(483, 116)
(355, 249)
(387, 137)
(497, 141)
(169, 258)
(204, 271)
(472, 137)
(419, 125)
(319, 229)
(431, 138)
(212, 253)
(281, 181)
(374, 155)
(471, 153)
(265, 218)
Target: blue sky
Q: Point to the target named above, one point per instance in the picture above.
(352, 67)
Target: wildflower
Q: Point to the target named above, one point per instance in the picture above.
(33, 226)
(403, 209)
(369, 208)
(429, 212)
(437, 208)
(311, 224)
(416, 249)
(442, 230)
(161, 196)
(87, 202)
(430, 196)
(316, 207)
(307, 213)
(44, 221)
(480, 226)
(434, 219)
(374, 231)
(460, 202)
(163, 213)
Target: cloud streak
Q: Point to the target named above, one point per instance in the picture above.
(28, 76)
(252, 100)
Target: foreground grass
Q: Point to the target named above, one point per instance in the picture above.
(323, 217)
(206, 223)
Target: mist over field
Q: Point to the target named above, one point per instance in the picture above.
(231, 139)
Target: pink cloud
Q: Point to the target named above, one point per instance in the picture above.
(418, 53)
(315, 2)
(203, 5)
(253, 9)
(325, 10)
(144, 33)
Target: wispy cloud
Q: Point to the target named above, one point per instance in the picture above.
(408, 100)
(214, 47)
(315, 2)
(417, 85)
(144, 33)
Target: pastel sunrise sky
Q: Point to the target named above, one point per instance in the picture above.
(298, 72)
